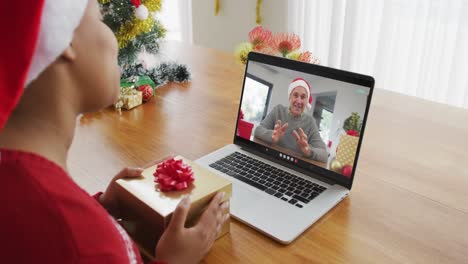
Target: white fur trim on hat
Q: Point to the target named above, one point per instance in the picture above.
(59, 20)
(300, 83)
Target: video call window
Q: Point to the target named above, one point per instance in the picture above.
(320, 126)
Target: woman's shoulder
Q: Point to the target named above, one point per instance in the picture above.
(39, 189)
(21, 163)
(33, 208)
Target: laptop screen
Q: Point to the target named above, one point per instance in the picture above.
(306, 116)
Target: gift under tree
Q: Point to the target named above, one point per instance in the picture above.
(347, 146)
(137, 30)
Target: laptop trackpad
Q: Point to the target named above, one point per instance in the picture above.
(243, 199)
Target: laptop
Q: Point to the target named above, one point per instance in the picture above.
(282, 186)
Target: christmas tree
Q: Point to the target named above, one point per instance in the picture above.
(353, 123)
(135, 26)
(137, 30)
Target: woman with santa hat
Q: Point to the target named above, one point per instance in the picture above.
(58, 60)
(291, 127)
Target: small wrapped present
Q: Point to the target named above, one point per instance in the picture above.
(129, 98)
(147, 206)
(346, 150)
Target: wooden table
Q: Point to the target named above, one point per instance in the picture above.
(409, 202)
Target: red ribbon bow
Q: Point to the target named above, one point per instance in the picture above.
(353, 133)
(173, 175)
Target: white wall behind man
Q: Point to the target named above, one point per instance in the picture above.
(235, 20)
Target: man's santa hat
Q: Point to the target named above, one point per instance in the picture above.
(35, 34)
(300, 82)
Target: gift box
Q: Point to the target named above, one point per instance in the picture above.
(129, 98)
(346, 149)
(146, 210)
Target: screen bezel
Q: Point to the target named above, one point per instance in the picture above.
(327, 72)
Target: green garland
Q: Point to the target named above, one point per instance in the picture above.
(162, 74)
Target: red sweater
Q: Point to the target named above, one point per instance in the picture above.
(45, 217)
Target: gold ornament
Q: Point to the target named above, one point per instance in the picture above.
(336, 166)
(217, 5)
(258, 18)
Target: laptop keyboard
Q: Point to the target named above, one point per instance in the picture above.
(276, 182)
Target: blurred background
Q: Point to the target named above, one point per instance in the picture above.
(414, 47)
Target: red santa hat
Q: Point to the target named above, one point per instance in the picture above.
(300, 82)
(36, 33)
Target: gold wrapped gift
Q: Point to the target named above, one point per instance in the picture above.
(147, 211)
(346, 150)
(129, 98)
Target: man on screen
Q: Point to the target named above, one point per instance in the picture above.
(291, 127)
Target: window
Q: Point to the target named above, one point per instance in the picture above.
(323, 113)
(255, 99)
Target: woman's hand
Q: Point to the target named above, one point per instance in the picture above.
(278, 131)
(109, 199)
(189, 245)
(302, 143)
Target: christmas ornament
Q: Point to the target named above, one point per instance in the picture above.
(353, 133)
(217, 7)
(137, 29)
(141, 12)
(258, 15)
(147, 92)
(133, 27)
(335, 166)
(173, 175)
(258, 18)
(347, 170)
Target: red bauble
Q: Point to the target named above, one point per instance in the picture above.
(147, 92)
(347, 170)
(136, 3)
(353, 133)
